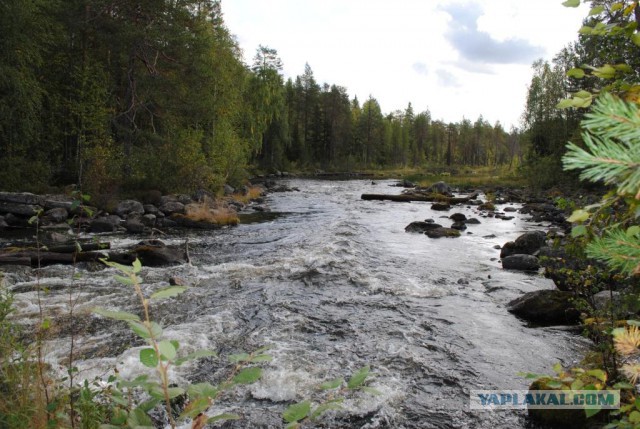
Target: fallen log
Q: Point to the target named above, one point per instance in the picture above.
(73, 248)
(42, 259)
(407, 198)
(15, 260)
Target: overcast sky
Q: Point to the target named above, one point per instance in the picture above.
(457, 59)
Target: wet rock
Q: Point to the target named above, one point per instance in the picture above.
(20, 198)
(172, 207)
(421, 227)
(153, 253)
(128, 207)
(57, 215)
(177, 281)
(506, 217)
(440, 206)
(527, 244)
(521, 262)
(458, 217)
(545, 307)
(405, 184)
(472, 221)
(184, 199)
(497, 247)
(460, 226)
(25, 210)
(463, 281)
(228, 190)
(3, 223)
(543, 212)
(429, 221)
(148, 220)
(150, 209)
(134, 225)
(602, 300)
(440, 188)
(104, 224)
(560, 418)
(487, 207)
(443, 232)
(489, 236)
(510, 209)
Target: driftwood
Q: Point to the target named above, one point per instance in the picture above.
(58, 254)
(407, 198)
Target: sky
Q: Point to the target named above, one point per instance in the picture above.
(457, 59)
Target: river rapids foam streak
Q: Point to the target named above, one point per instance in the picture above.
(333, 284)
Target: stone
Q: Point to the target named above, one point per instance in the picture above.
(21, 198)
(228, 190)
(184, 199)
(487, 207)
(127, 207)
(150, 209)
(439, 188)
(521, 262)
(104, 224)
(472, 221)
(460, 226)
(153, 255)
(527, 244)
(3, 223)
(148, 220)
(134, 225)
(442, 232)
(440, 206)
(172, 207)
(458, 217)
(18, 209)
(545, 307)
(510, 209)
(57, 215)
(421, 227)
(602, 300)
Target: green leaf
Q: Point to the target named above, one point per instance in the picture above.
(149, 358)
(598, 373)
(578, 231)
(139, 419)
(333, 384)
(634, 417)
(137, 266)
(248, 375)
(565, 104)
(590, 412)
(596, 10)
(239, 357)
(195, 407)
(633, 230)
(127, 281)
(630, 323)
(616, 7)
(321, 409)
(635, 38)
(149, 405)
(571, 3)
(169, 292)
(142, 331)
(576, 73)
(175, 392)
(292, 425)
(623, 385)
(554, 384)
(579, 216)
(297, 412)
(116, 315)
(585, 29)
(557, 368)
(195, 355)
(206, 390)
(358, 378)
(167, 349)
(122, 268)
(222, 417)
(605, 72)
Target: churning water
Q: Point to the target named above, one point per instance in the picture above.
(333, 283)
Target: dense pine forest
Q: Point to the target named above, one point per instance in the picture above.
(113, 95)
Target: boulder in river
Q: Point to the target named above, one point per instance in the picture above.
(57, 215)
(458, 217)
(421, 227)
(460, 226)
(134, 224)
(472, 221)
(442, 232)
(440, 188)
(104, 224)
(440, 206)
(171, 207)
(527, 244)
(154, 253)
(521, 262)
(545, 307)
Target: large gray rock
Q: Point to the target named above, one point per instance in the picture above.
(440, 206)
(458, 217)
(153, 253)
(527, 244)
(440, 188)
(57, 215)
(545, 307)
(421, 227)
(149, 220)
(172, 207)
(18, 209)
(3, 223)
(228, 190)
(460, 226)
(105, 224)
(521, 262)
(150, 209)
(128, 207)
(134, 225)
(20, 198)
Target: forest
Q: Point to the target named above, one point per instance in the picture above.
(113, 95)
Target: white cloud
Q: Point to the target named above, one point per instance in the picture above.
(412, 50)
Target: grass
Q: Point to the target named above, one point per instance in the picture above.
(468, 177)
(252, 193)
(221, 214)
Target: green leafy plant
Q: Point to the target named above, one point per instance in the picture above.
(334, 393)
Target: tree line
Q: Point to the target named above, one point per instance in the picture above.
(113, 94)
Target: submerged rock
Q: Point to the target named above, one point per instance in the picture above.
(527, 244)
(440, 206)
(521, 262)
(443, 232)
(421, 227)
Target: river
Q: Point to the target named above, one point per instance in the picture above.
(331, 283)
